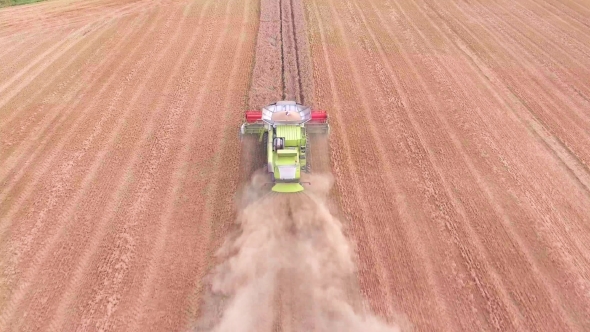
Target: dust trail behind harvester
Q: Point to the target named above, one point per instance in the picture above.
(288, 268)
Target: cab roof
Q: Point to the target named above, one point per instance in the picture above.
(286, 112)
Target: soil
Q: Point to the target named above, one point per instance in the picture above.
(459, 147)
(460, 151)
(113, 140)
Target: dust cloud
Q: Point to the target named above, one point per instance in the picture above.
(288, 267)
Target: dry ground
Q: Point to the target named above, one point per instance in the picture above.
(460, 148)
(118, 132)
(461, 151)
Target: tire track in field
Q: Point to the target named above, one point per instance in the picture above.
(456, 80)
(560, 147)
(235, 174)
(550, 288)
(47, 58)
(72, 77)
(464, 88)
(31, 71)
(491, 77)
(217, 212)
(25, 36)
(370, 248)
(142, 200)
(8, 45)
(23, 289)
(575, 248)
(35, 8)
(402, 104)
(48, 101)
(13, 50)
(466, 253)
(343, 162)
(43, 19)
(578, 14)
(161, 49)
(581, 31)
(76, 15)
(529, 102)
(208, 123)
(567, 30)
(13, 175)
(532, 112)
(573, 165)
(480, 66)
(474, 64)
(491, 201)
(545, 38)
(44, 162)
(421, 51)
(148, 182)
(542, 62)
(19, 50)
(49, 77)
(41, 62)
(564, 238)
(135, 308)
(33, 16)
(367, 228)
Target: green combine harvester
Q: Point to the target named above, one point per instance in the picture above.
(284, 130)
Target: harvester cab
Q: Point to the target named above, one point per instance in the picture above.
(285, 129)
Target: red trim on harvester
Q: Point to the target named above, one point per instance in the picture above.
(316, 116)
(319, 116)
(253, 116)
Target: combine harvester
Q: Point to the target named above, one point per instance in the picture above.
(285, 130)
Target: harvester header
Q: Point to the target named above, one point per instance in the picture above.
(285, 129)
